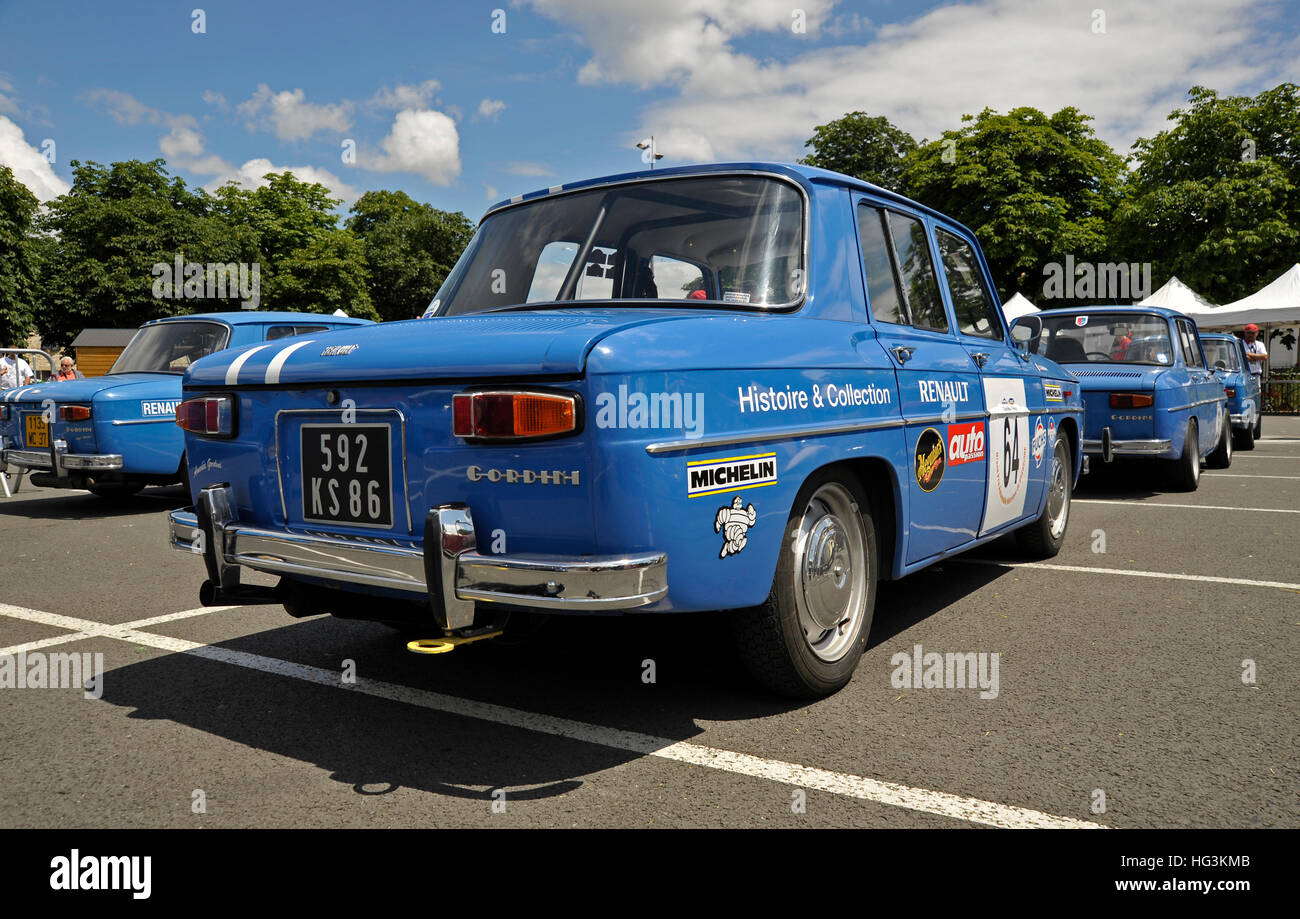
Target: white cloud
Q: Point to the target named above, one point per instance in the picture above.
(183, 141)
(7, 105)
(425, 143)
(490, 109)
(290, 116)
(402, 96)
(124, 107)
(29, 166)
(212, 97)
(521, 168)
(491, 192)
(253, 175)
(923, 74)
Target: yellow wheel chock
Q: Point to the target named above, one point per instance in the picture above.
(447, 642)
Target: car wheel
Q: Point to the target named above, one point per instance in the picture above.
(1221, 458)
(1259, 426)
(806, 639)
(1043, 537)
(1245, 439)
(1187, 468)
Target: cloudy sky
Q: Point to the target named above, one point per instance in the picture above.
(462, 103)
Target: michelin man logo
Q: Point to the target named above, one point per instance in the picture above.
(733, 523)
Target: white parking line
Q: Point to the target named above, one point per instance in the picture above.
(1240, 475)
(1165, 575)
(1237, 454)
(973, 810)
(1199, 507)
(81, 629)
(14, 650)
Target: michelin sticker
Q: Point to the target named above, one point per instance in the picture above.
(733, 523)
(711, 477)
(1052, 392)
(1008, 449)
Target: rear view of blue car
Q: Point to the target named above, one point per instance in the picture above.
(115, 434)
(1227, 355)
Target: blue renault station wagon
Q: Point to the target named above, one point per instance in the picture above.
(1227, 355)
(116, 434)
(756, 388)
(1147, 387)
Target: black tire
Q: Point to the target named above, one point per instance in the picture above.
(1221, 458)
(831, 517)
(115, 492)
(1245, 439)
(1259, 426)
(1186, 470)
(1044, 537)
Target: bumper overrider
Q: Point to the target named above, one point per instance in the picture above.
(59, 461)
(1107, 447)
(448, 569)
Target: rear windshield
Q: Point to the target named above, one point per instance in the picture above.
(1216, 349)
(170, 347)
(1105, 338)
(718, 240)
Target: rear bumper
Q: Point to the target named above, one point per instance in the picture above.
(60, 459)
(1129, 447)
(454, 577)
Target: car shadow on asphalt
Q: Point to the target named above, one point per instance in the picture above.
(74, 504)
(1126, 479)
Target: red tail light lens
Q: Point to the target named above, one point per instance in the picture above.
(210, 415)
(1231, 391)
(513, 415)
(1131, 400)
(74, 412)
(4, 413)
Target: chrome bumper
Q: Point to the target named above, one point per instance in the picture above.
(454, 578)
(1129, 447)
(1239, 420)
(58, 458)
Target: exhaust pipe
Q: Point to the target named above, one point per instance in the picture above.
(240, 595)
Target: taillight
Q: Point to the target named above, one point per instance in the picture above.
(1231, 391)
(513, 415)
(1131, 400)
(74, 412)
(210, 415)
(4, 413)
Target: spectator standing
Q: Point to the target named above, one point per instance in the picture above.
(14, 371)
(1256, 353)
(67, 371)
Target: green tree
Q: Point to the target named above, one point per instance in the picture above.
(1215, 199)
(104, 237)
(1034, 188)
(409, 247)
(867, 148)
(307, 262)
(18, 260)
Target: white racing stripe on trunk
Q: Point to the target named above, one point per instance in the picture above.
(1199, 507)
(232, 372)
(958, 807)
(1164, 575)
(273, 369)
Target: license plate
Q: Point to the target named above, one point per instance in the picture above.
(347, 474)
(38, 432)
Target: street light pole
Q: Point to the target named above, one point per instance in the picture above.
(648, 155)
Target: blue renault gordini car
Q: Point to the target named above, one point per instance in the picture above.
(751, 387)
(1147, 387)
(116, 434)
(1227, 355)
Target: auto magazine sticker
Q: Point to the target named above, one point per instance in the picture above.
(711, 477)
(929, 460)
(965, 443)
(1008, 450)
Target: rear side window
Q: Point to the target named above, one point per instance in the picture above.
(882, 286)
(971, 302)
(1191, 353)
(285, 331)
(916, 270)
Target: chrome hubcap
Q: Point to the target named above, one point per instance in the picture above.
(1058, 496)
(831, 568)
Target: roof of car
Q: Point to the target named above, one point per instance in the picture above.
(103, 338)
(1131, 309)
(249, 317)
(805, 175)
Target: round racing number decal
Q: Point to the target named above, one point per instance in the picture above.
(929, 460)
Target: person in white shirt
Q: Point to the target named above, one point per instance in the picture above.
(14, 371)
(1256, 353)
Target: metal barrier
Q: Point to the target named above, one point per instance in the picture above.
(11, 482)
(1281, 397)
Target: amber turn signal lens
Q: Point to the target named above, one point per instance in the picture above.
(74, 412)
(513, 415)
(1131, 400)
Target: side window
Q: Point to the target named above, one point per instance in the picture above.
(285, 331)
(975, 309)
(1191, 353)
(676, 279)
(552, 266)
(882, 286)
(596, 280)
(916, 271)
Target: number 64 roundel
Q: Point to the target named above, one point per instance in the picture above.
(1008, 451)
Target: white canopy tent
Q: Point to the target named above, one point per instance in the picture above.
(1176, 295)
(1277, 303)
(1018, 306)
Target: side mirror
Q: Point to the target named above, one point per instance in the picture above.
(1025, 331)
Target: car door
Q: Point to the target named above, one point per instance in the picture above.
(1016, 444)
(1204, 391)
(938, 383)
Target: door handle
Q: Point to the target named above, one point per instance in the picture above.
(979, 358)
(902, 353)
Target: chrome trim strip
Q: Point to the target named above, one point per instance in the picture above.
(593, 583)
(1179, 408)
(941, 419)
(725, 440)
(144, 421)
